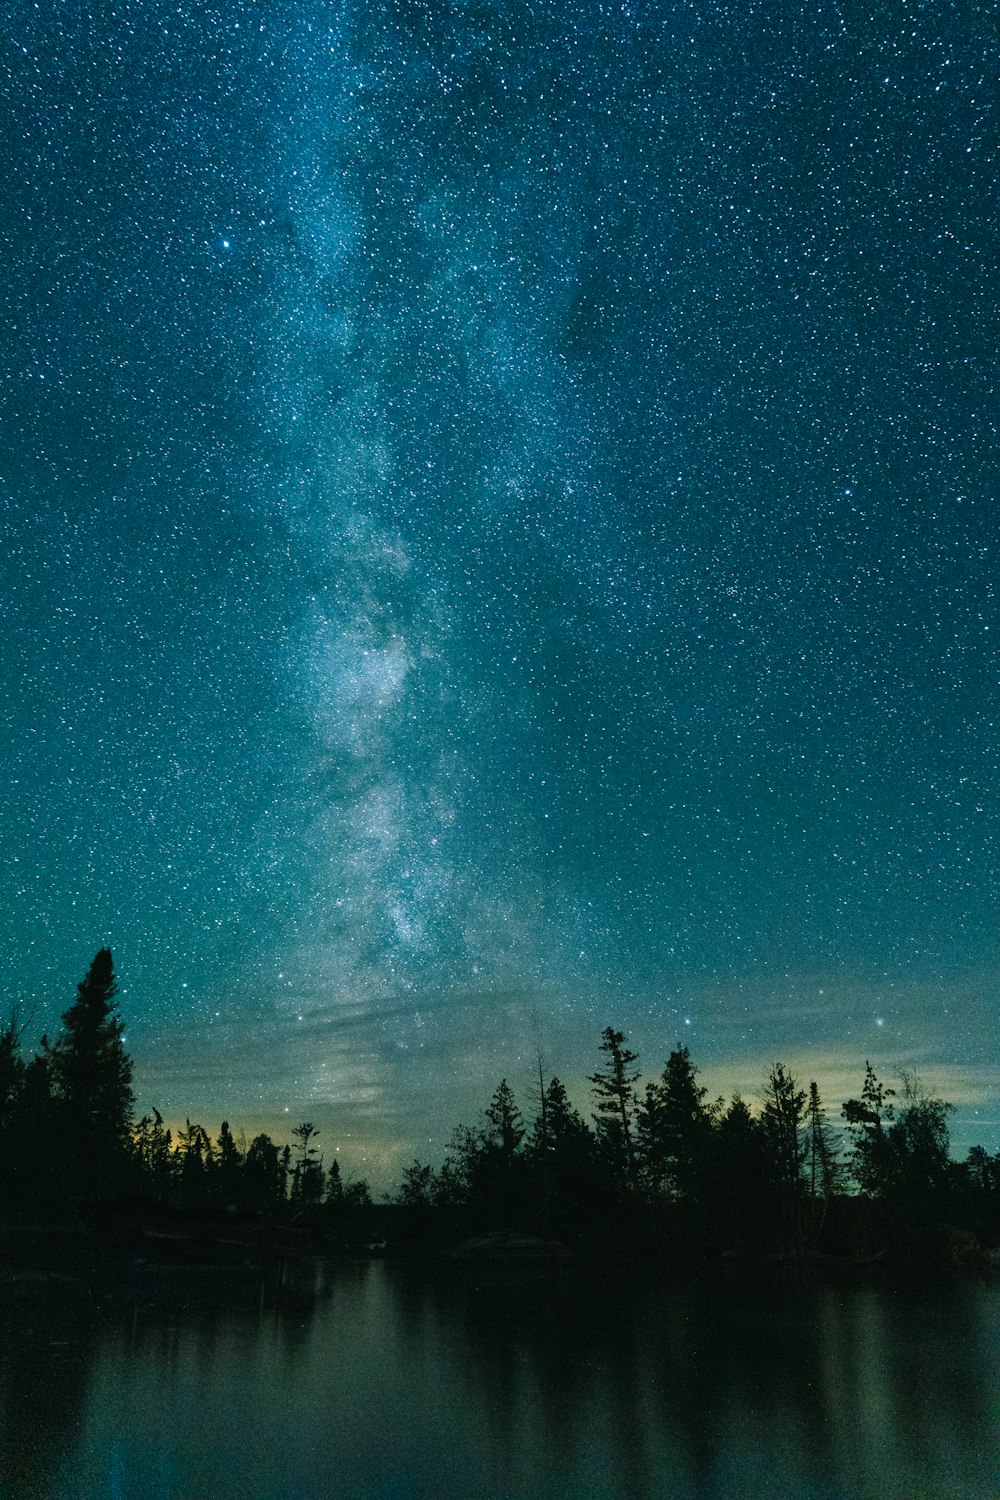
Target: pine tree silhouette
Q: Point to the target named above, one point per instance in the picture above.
(91, 1079)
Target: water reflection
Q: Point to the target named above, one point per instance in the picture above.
(361, 1381)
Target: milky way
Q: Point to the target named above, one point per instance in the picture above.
(500, 537)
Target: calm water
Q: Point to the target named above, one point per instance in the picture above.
(362, 1381)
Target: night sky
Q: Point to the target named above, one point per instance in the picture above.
(499, 537)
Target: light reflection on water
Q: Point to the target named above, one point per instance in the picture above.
(369, 1383)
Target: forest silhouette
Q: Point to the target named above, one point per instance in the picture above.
(659, 1171)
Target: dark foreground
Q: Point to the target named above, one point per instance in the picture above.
(321, 1380)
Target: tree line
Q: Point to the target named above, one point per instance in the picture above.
(658, 1168)
(68, 1131)
(661, 1168)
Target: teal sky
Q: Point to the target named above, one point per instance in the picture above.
(500, 538)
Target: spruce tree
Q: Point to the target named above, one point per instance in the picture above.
(335, 1183)
(561, 1150)
(485, 1166)
(868, 1119)
(614, 1089)
(227, 1169)
(674, 1129)
(503, 1128)
(782, 1117)
(91, 1079)
(307, 1174)
(194, 1151)
(741, 1183)
(264, 1182)
(153, 1160)
(823, 1170)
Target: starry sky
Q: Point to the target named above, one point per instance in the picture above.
(499, 537)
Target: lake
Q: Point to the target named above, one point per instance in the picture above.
(364, 1381)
